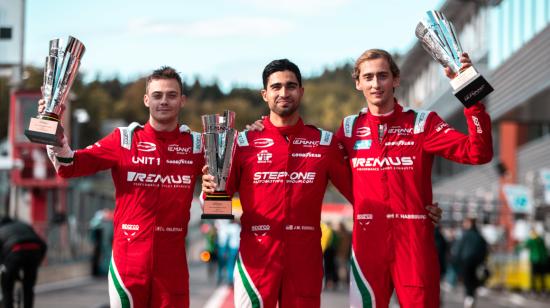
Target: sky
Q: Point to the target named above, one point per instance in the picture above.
(228, 41)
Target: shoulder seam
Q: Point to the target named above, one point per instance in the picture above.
(197, 142)
(348, 123)
(326, 137)
(242, 139)
(126, 134)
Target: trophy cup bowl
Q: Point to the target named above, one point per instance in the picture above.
(219, 146)
(60, 69)
(438, 37)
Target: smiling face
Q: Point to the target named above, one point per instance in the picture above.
(377, 83)
(283, 93)
(164, 100)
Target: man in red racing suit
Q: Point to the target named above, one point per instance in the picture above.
(391, 151)
(281, 174)
(154, 168)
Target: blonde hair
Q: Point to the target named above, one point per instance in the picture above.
(372, 54)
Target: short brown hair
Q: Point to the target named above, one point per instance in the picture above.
(372, 54)
(165, 72)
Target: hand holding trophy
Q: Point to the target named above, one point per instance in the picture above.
(439, 39)
(60, 70)
(219, 145)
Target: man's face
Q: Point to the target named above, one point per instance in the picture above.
(164, 100)
(283, 93)
(377, 82)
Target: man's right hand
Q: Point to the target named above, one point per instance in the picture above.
(208, 181)
(42, 107)
(256, 126)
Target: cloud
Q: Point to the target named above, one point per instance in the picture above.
(213, 28)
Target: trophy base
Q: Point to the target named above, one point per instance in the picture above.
(217, 206)
(217, 216)
(470, 87)
(45, 132)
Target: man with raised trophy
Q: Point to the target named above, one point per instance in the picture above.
(391, 150)
(439, 39)
(60, 70)
(219, 144)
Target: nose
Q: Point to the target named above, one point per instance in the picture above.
(375, 82)
(283, 92)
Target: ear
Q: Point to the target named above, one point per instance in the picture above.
(357, 86)
(264, 94)
(396, 82)
(146, 100)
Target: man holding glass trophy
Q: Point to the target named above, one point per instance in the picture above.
(391, 150)
(281, 170)
(154, 168)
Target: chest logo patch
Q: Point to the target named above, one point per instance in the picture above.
(264, 157)
(362, 144)
(146, 146)
(263, 142)
(362, 131)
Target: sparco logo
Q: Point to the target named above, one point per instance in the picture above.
(478, 126)
(146, 146)
(179, 149)
(473, 93)
(305, 142)
(279, 177)
(364, 216)
(260, 228)
(363, 131)
(400, 131)
(382, 162)
(130, 227)
(157, 178)
(263, 142)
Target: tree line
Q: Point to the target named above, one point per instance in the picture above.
(327, 99)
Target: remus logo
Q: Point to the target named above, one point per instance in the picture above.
(382, 161)
(157, 178)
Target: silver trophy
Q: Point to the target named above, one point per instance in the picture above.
(438, 37)
(60, 70)
(219, 145)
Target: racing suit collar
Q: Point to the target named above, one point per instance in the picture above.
(161, 135)
(285, 130)
(398, 109)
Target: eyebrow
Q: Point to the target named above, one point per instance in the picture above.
(375, 73)
(167, 92)
(290, 83)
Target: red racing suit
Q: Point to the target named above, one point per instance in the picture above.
(281, 175)
(154, 175)
(393, 238)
